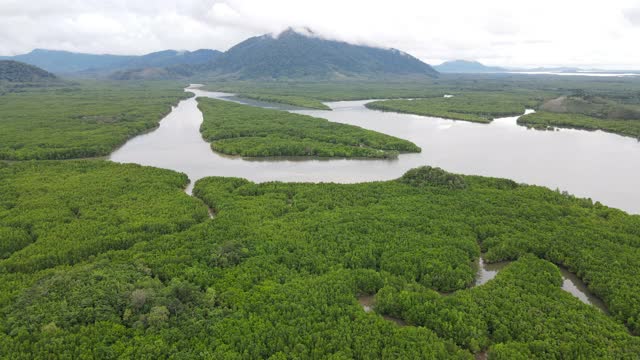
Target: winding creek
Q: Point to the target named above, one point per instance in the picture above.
(596, 164)
(571, 283)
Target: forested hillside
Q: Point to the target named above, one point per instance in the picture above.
(13, 71)
(111, 261)
(305, 55)
(238, 129)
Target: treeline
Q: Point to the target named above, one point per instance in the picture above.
(548, 120)
(481, 107)
(79, 120)
(583, 102)
(300, 101)
(237, 129)
(620, 89)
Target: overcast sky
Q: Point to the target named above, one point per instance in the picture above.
(496, 32)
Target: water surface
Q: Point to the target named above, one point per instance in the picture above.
(368, 301)
(577, 73)
(598, 165)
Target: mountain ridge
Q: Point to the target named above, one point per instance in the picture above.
(67, 62)
(292, 54)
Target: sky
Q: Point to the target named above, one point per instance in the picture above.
(587, 33)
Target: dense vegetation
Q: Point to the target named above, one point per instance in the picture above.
(289, 100)
(277, 272)
(589, 110)
(548, 120)
(475, 107)
(79, 120)
(238, 129)
(546, 322)
(57, 213)
(13, 71)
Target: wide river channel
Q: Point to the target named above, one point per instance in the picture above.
(599, 165)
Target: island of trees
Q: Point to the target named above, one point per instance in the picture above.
(238, 129)
(474, 107)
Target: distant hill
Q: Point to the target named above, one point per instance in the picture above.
(153, 73)
(14, 71)
(65, 62)
(465, 66)
(172, 57)
(296, 55)
(555, 69)
(57, 61)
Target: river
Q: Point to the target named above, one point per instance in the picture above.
(596, 164)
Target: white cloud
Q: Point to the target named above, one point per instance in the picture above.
(498, 32)
(633, 15)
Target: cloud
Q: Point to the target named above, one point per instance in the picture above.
(500, 32)
(633, 16)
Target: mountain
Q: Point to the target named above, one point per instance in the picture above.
(14, 71)
(465, 66)
(296, 55)
(65, 62)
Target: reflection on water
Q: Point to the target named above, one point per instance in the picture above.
(486, 271)
(583, 163)
(367, 302)
(576, 287)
